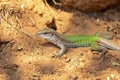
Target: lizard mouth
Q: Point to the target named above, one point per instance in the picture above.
(38, 33)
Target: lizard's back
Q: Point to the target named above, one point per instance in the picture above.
(80, 40)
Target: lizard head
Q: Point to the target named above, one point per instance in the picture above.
(46, 33)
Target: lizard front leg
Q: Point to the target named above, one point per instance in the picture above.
(62, 51)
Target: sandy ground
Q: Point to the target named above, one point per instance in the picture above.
(24, 56)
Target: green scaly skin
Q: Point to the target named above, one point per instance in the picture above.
(82, 40)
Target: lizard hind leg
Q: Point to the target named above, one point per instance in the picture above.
(102, 50)
(105, 35)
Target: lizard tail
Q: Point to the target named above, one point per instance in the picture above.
(109, 44)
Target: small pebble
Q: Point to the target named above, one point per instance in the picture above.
(74, 77)
(115, 64)
(67, 60)
(19, 48)
(34, 78)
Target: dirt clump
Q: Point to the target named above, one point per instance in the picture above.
(89, 5)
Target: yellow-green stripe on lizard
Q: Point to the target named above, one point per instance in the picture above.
(65, 41)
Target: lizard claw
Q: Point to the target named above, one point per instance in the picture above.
(56, 55)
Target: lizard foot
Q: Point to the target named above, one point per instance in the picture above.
(56, 55)
(102, 54)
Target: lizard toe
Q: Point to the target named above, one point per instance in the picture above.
(56, 55)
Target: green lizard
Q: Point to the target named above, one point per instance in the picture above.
(96, 42)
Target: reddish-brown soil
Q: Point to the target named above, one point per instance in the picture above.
(89, 5)
(24, 56)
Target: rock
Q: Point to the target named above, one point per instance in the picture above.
(20, 47)
(67, 60)
(89, 5)
(73, 77)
